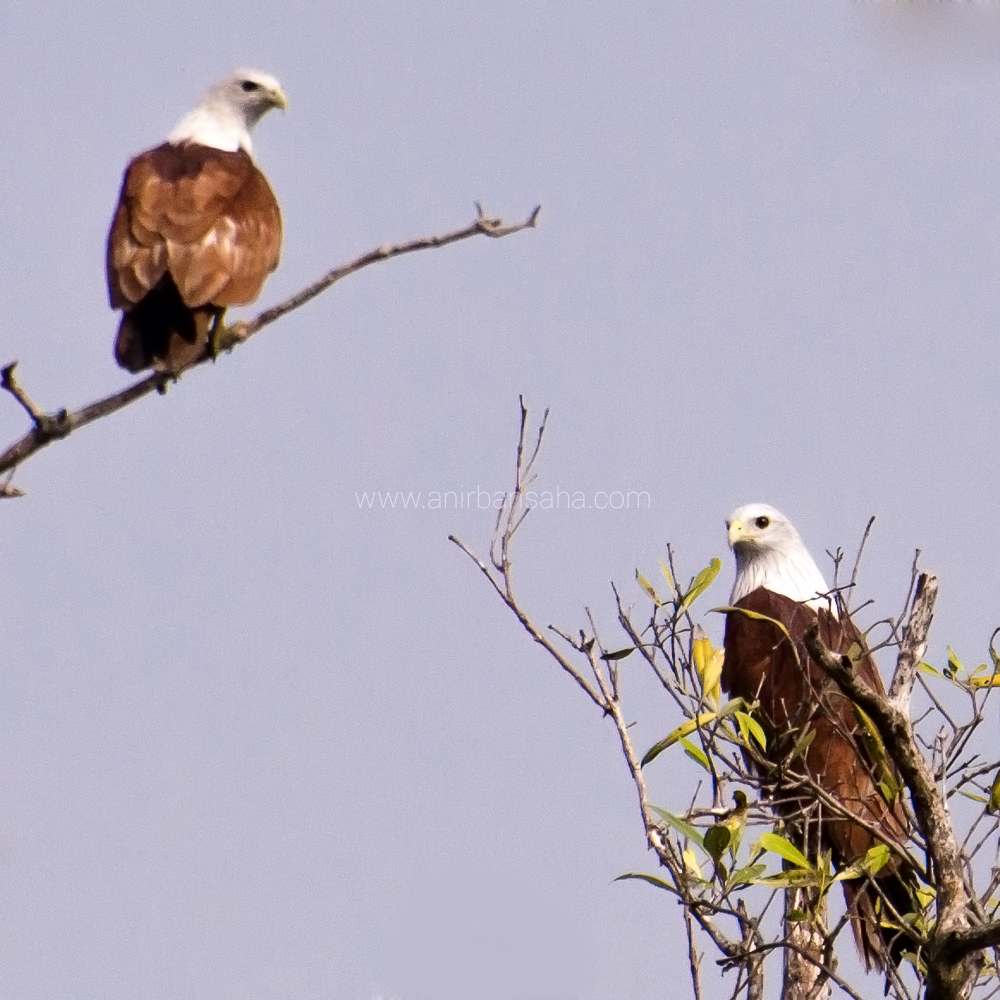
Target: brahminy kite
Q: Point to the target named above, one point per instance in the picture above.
(197, 229)
(777, 580)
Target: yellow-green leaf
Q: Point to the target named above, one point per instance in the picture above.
(793, 878)
(778, 845)
(730, 707)
(648, 588)
(695, 753)
(708, 663)
(691, 863)
(746, 875)
(757, 732)
(749, 726)
(994, 803)
(701, 583)
(974, 797)
(954, 662)
(926, 668)
(875, 858)
(685, 729)
(727, 609)
(983, 682)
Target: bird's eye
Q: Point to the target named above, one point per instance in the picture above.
(762, 521)
(249, 86)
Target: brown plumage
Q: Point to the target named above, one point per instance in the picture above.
(795, 696)
(197, 228)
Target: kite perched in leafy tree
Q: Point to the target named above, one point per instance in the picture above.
(813, 731)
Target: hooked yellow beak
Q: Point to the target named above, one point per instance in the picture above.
(737, 532)
(279, 100)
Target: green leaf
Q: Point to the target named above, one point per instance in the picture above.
(795, 878)
(681, 826)
(778, 845)
(994, 805)
(685, 729)
(654, 751)
(696, 753)
(618, 654)
(926, 668)
(796, 916)
(875, 858)
(746, 875)
(717, 839)
(758, 733)
(748, 722)
(701, 583)
(730, 707)
(648, 588)
(889, 784)
(651, 879)
(668, 576)
(888, 789)
(954, 662)
(803, 744)
(736, 821)
(741, 718)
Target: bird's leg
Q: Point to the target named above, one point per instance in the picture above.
(215, 332)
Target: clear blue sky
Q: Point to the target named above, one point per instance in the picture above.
(256, 741)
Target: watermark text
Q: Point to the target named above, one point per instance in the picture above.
(480, 499)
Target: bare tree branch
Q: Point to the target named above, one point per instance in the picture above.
(954, 951)
(49, 427)
(914, 642)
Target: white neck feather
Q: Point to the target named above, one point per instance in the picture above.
(790, 571)
(215, 126)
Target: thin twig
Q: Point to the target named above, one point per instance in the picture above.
(857, 564)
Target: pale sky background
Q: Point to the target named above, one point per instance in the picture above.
(257, 742)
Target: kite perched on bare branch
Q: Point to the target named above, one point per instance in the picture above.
(197, 229)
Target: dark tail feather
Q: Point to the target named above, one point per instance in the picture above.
(162, 332)
(881, 947)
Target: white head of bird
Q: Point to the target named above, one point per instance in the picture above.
(224, 117)
(771, 554)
